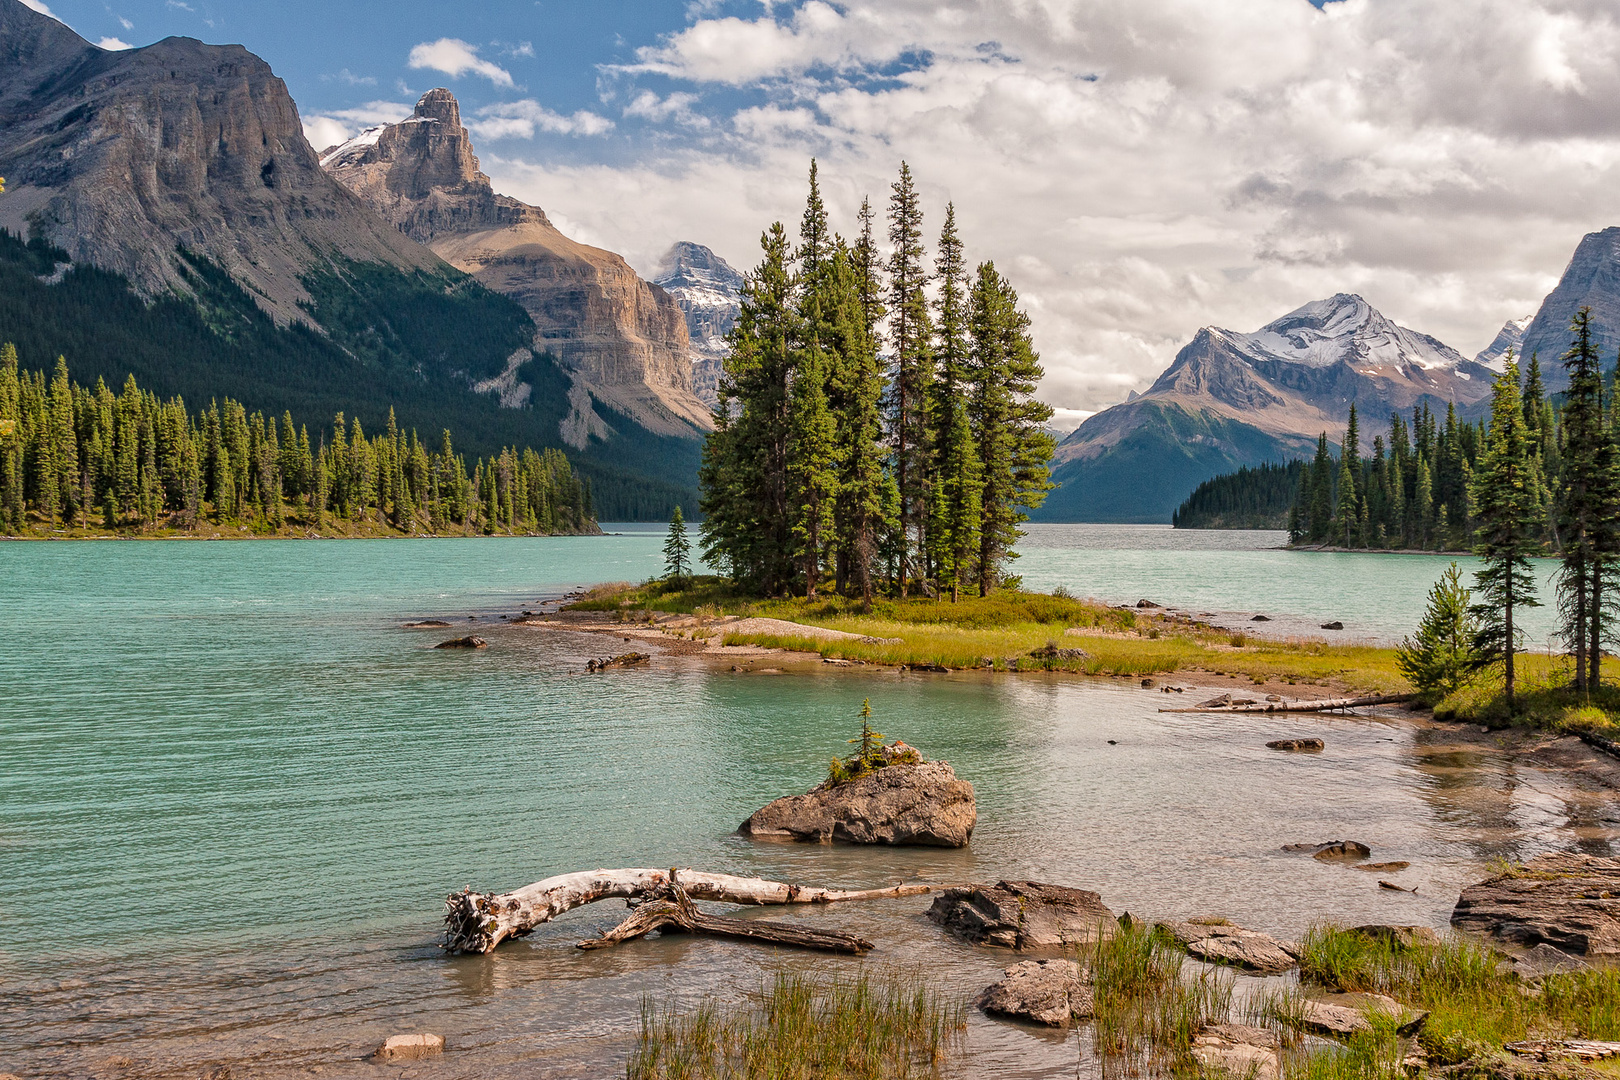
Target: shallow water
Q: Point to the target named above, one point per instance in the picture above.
(234, 791)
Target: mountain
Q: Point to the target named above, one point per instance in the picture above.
(623, 340)
(1231, 399)
(1592, 279)
(1511, 336)
(709, 292)
(165, 217)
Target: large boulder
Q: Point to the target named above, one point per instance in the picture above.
(1238, 1050)
(922, 804)
(1050, 992)
(1023, 915)
(1345, 1015)
(1568, 901)
(1220, 942)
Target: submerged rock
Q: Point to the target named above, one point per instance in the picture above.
(1050, 992)
(1238, 1050)
(1023, 915)
(1407, 937)
(1346, 1014)
(469, 642)
(1566, 900)
(1333, 625)
(920, 804)
(1332, 850)
(1295, 744)
(1221, 942)
(422, 624)
(409, 1047)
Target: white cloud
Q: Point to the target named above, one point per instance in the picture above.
(1144, 167)
(524, 119)
(112, 44)
(456, 58)
(125, 23)
(324, 130)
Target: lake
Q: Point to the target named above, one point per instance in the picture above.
(234, 792)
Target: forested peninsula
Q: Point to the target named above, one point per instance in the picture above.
(83, 461)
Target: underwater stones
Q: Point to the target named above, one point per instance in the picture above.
(1332, 850)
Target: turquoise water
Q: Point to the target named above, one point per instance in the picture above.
(234, 791)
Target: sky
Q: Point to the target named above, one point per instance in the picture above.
(1138, 168)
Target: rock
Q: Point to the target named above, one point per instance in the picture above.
(425, 623)
(1392, 887)
(1023, 915)
(1382, 867)
(1147, 604)
(938, 669)
(629, 659)
(1566, 1050)
(922, 804)
(1333, 626)
(1261, 618)
(1406, 937)
(1545, 960)
(1238, 1050)
(1333, 850)
(1215, 702)
(1565, 900)
(1346, 1014)
(1295, 744)
(1220, 942)
(1050, 992)
(1149, 684)
(1051, 651)
(409, 1047)
(469, 642)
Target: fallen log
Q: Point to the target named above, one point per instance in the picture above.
(1300, 706)
(677, 912)
(477, 922)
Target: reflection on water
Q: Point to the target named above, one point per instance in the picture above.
(233, 793)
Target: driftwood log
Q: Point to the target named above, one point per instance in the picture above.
(477, 922)
(675, 911)
(1299, 706)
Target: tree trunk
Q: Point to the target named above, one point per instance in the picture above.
(477, 922)
(1594, 651)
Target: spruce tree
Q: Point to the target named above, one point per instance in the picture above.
(954, 520)
(1321, 491)
(1441, 657)
(677, 549)
(909, 335)
(1507, 505)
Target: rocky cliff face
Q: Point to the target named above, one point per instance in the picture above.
(623, 340)
(1233, 399)
(120, 158)
(1591, 280)
(709, 292)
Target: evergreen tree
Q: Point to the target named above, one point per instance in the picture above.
(1441, 658)
(677, 549)
(1321, 491)
(954, 521)
(1507, 503)
(909, 335)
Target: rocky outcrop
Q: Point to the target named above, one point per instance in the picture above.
(1238, 1050)
(709, 292)
(1220, 942)
(1051, 992)
(1591, 280)
(923, 804)
(1023, 915)
(121, 158)
(623, 339)
(1568, 901)
(1346, 1014)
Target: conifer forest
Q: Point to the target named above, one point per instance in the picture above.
(77, 458)
(876, 427)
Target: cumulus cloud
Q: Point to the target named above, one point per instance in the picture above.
(1141, 168)
(112, 44)
(456, 58)
(324, 130)
(524, 119)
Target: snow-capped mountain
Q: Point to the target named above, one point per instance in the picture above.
(709, 292)
(1511, 336)
(1231, 399)
(1591, 280)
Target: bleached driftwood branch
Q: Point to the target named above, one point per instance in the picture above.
(477, 922)
(1299, 706)
(674, 910)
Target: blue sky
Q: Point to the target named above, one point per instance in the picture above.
(1140, 168)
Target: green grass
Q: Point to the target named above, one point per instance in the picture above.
(1002, 631)
(1148, 1009)
(1475, 1004)
(803, 1028)
(1544, 699)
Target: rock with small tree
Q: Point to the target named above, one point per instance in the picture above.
(881, 794)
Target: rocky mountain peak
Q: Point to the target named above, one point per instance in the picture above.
(1511, 336)
(1344, 328)
(709, 292)
(1591, 280)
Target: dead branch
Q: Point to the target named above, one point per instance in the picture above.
(1298, 706)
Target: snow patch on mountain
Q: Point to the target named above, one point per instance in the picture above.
(709, 292)
(1511, 336)
(1345, 328)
